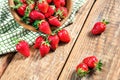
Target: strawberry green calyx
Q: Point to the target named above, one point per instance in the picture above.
(59, 12)
(36, 23)
(17, 1)
(105, 22)
(99, 66)
(46, 43)
(25, 18)
(16, 6)
(40, 1)
(82, 73)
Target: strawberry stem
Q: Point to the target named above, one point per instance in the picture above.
(99, 66)
(56, 31)
(81, 73)
(36, 23)
(105, 22)
(17, 6)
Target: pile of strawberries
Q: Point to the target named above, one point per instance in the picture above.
(41, 14)
(88, 64)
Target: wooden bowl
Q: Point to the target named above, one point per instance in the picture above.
(30, 27)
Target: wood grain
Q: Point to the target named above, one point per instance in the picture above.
(105, 46)
(49, 67)
(4, 62)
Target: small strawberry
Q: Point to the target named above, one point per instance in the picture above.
(44, 48)
(54, 41)
(82, 69)
(99, 27)
(43, 6)
(36, 15)
(38, 41)
(54, 21)
(64, 36)
(61, 12)
(21, 9)
(62, 2)
(49, 1)
(57, 3)
(43, 26)
(23, 47)
(92, 62)
(50, 11)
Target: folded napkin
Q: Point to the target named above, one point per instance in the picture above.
(10, 29)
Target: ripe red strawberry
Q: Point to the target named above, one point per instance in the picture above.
(99, 27)
(54, 21)
(49, 1)
(38, 41)
(64, 36)
(61, 12)
(82, 69)
(50, 11)
(21, 9)
(35, 15)
(92, 62)
(43, 6)
(43, 26)
(44, 49)
(54, 41)
(62, 2)
(23, 48)
(57, 3)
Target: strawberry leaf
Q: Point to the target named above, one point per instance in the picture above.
(99, 66)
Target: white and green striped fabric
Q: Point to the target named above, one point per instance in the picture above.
(9, 29)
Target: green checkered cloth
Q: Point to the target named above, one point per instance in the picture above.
(10, 29)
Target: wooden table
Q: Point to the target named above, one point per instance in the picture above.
(61, 63)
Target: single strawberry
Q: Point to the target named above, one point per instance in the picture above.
(92, 62)
(43, 6)
(54, 41)
(44, 48)
(57, 3)
(64, 36)
(50, 11)
(49, 1)
(99, 27)
(36, 15)
(21, 9)
(61, 12)
(54, 21)
(23, 47)
(38, 41)
(43, 26)
(82, 69)
(62, 2)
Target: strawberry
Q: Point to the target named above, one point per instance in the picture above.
(92, 62)
(23, 47)
(54, 41)
(82, 69)
(36, 15)
(21, 9)
(50, 11)
(43, 6)
(61, 12)
(57, 3)
(43, 26)
(38, 41)
(64, 36)
(99, 27)
(54, 21)
(49, 1)
(44, 48)
(62, 2)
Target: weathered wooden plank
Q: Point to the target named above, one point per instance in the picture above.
(49, 67)
(105, 46)
(4, 61)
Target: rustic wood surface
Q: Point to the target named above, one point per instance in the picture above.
(61, 64)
